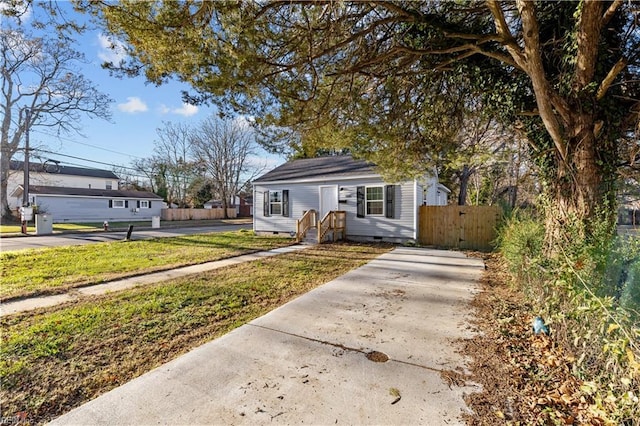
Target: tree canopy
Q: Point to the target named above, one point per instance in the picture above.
(394, 77)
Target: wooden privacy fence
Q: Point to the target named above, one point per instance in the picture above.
(196, 214)
(460, 227)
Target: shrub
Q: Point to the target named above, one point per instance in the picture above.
(588, 289)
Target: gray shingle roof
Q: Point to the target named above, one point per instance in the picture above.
(63, 170)
(315, 168)
(88, 192)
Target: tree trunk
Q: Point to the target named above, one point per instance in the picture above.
(582, 196)
(465, 175)
(4, 184)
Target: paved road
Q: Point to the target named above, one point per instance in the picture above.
(43, 241)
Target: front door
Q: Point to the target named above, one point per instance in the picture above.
(328, 199)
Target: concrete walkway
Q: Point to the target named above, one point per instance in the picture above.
(27, 304)
(313, 360)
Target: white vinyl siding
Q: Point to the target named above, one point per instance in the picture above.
(93, 209)
(306, 196)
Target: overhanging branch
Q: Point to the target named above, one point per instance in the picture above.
(610, 78)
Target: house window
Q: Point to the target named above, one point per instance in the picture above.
(107, 185)
(275, 202)
(375, 200)
(117, 204)
(144, 204)
(371, 201)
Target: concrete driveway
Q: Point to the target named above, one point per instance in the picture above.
(375, 346)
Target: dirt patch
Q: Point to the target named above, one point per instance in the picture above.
(376, 356)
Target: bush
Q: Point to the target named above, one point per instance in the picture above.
(588, 289)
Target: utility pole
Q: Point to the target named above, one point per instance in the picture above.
(25, 192)
(25, 186)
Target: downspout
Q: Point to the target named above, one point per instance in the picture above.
(254, 208)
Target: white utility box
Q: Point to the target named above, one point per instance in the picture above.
(44, 224)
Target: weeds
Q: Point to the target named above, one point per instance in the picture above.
(589, 292)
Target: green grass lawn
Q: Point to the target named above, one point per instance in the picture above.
(98, 226)
(57, 269)
(61, 227)
(55, 359)
(31, 228)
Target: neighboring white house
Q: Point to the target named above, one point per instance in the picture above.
(375, 209)
(80, 194)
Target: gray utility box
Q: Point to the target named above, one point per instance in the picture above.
(44, 224)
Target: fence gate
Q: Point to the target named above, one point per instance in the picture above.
(460, 227)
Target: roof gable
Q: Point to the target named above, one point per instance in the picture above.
(320, 167)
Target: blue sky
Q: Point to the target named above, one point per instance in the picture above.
(139, 108)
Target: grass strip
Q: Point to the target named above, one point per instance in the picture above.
(57, 269)
(58, 358)
(113, 225)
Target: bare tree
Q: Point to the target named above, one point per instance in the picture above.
(173, 154)
(224, 149)
(40, 75)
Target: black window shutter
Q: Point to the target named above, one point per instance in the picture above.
(110, 204)
(285, 202)
(149, 204)
(265, 203)
(138, 204)
(126, 204)
(390, 200)
(360, 201)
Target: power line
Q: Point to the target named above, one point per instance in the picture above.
(80, 165)
(84, 159)
(87, 144)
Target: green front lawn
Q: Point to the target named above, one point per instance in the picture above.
(57, 269)
(61, 227)
(58, 358)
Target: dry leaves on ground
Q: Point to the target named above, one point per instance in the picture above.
(526, 378)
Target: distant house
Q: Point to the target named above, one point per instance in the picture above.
(80, 194)
(243, 205)
(375, 209)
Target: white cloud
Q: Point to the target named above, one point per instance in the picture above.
(133, 105)
(110, 50)
(186, 110)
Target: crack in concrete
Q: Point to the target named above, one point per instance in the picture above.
(345, 348)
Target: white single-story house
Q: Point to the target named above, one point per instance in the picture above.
(375, 209)
(93, 205)
(78, 194)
